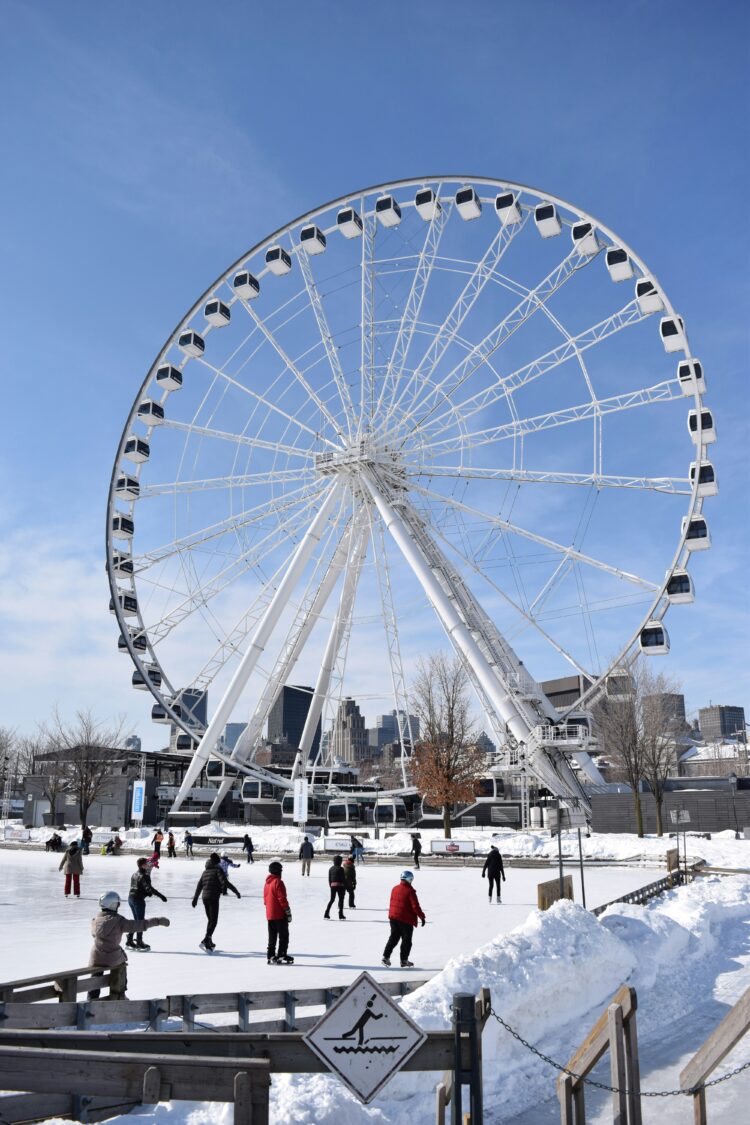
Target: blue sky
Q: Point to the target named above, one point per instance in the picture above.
(145, 146)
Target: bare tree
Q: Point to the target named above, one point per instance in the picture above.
(42, 760)
(87, 750)
(638, 731)
(446, 767)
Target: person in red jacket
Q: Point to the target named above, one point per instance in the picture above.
(403, 915)
(278, 916)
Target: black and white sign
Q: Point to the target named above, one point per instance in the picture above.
(337, 845)
(299, 815)
(453, 847)
(365, 1038)
(217, 841)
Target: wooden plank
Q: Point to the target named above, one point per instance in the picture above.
(617, 1064)
(719, 1043)
(47, 978)
(633, 1069)
(151, 1094)
(565, 1096)
(16, 1108)
(699, 1107)
(596, 1042)
(243, 1106)
(549, 892)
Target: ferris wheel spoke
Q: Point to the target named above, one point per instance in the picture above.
(666, 391)
(307, 493)
(674, 485)
(448, 331)
(262, 400)
(573, 347)
(294, 369)
(237, 439)
(413, 305)
(325, 334)
(524, 533)
(367, 329)
(239, 480)
(534, 300)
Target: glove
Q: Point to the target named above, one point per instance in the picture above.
(162, 921)
(503, 878)
(483, 874)
(288, 915)
(238, 894)
(195, 902)
(424, 921)
(163, 898)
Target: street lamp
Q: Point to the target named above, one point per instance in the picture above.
(732, 779)
(376, 783)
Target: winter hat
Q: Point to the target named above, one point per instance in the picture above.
(274, 867)
(349, 861)
(214, 857)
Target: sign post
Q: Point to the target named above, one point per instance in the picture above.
(139, 800)
(300, 800)
(365, 1038)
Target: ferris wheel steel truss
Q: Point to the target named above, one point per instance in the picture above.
(355, 458)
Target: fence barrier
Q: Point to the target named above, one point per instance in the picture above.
(718, 1045)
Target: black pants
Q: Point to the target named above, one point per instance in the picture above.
(496, 880)
(350, 892)
(416, 859)
(211, 907)
(278, 928)
(400, 932)
(336, 892)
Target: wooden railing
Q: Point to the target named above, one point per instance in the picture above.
(643, 894)
(718, 1045)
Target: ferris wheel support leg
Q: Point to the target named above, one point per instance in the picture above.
(457, 631)
(335, 637)
(262, 634)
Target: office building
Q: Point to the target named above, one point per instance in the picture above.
(232, 732)
(349, 736)
(565, 691)
(386, 729)
(286, 719)
(720, 721)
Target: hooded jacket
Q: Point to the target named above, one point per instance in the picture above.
(274, 897)
(72, 862)
(405, 904)
(107, 929)
(213, 882)
(350, 874)
(140, 885)
(493, 865)
(336, 873)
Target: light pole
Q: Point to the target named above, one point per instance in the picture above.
(376, 782)
(732, 779)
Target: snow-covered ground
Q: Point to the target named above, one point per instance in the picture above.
(687, 954)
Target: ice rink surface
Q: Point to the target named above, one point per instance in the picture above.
(42, 931)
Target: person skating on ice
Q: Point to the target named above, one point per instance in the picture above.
(249, 847)
(403, 914)
(364, 1019)
(72, 864)
(107, 929)
(350, 880)
(156, 840)
(212, 884)
(337, 887)
(494, 870)
(171, 846)
(416, 850)
(306, 855)
(140, 890)
(225, 863)
(188, 844)
(278, 916)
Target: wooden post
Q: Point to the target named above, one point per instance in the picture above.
(290, 1011)
(617, 1064)
(151, 1086)
(633, 1070)
(565, 1096)
(699, 1107)
(243, 1106)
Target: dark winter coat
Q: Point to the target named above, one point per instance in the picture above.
(493, 865)
(107, 929)
(350, 875)
(213, 883)
(140, 886)
(72, 862)
(248, 846)
(307, 851)
(405, 904)
(416, 846)
(336, 875)
(274, 897)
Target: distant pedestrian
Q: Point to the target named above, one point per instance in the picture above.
(140, 890)
(225, 863)
(107, 929)
(156, 840)
(72, 864)
(337, 887)
(278, 916)
(416, 849)
(171, 849)
(350, 880)
(403, 913)
(249, 847)
(188, 843)
(307, 855)
(86, 838)
(358, 850)
(494, 870)
(212, 884)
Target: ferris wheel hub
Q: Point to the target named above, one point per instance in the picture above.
(364, 453)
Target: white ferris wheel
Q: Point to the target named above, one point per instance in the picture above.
(451, 404)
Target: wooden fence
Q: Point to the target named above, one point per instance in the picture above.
(718, 1045)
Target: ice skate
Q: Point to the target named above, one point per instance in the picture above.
(407, 964)
(386, 962)
(206, 946)
(284, 959)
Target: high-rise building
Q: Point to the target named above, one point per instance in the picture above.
(386, 729)
(349, 736)
(672, 707)
(286, 719)
(194, 704)
(485, 743)
(719, 721)
(133, 743)
(565, 691)
(232, 732)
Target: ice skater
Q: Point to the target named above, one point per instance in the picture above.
(156, 840)
(350, 880)
(358, 849)
(278, 916)
(306, 855)
(212, 884)
(107, 929)
(249, 847)
(494, 870)
(337, 887)
(140, 889)
(72, 864)
(171, 848)
(364, 1019)
(188, 844)
(416, 849)
(403, 914)
(225, 863)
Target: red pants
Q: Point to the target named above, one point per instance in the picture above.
(76, 884)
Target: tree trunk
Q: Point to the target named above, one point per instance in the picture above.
(638, 813)
(659, 823)
(447, 821)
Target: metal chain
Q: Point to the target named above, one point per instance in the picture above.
(603, 1085)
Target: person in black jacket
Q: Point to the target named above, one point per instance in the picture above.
(212, 884)
(494, 870)
(416, 849)
(350, 880)
(337, 883)
(140, 890)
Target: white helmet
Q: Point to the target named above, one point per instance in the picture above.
(110, 900)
